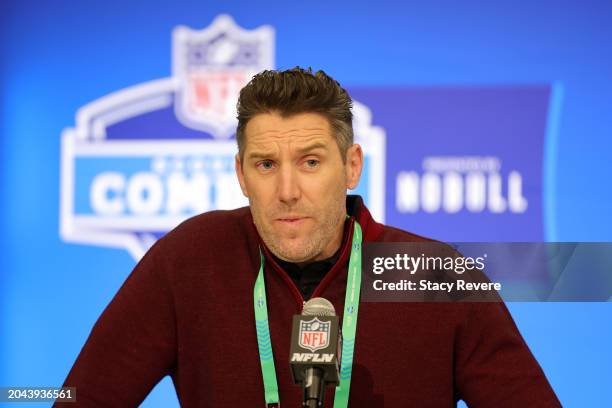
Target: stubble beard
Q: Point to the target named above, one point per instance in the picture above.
(309, 246)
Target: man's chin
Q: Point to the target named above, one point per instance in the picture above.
(293, 254)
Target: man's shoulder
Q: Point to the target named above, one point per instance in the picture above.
(432, 246)
(212, 225)
(394, 234)
(194, 250)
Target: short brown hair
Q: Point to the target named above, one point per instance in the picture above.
(294, 91)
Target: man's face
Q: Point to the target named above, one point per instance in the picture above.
(296, 181)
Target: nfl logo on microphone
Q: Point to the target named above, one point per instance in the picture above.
(314, 334)
(315, 343)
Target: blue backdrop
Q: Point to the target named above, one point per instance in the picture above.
(59, 56)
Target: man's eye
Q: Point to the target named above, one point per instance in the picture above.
(265, 165)
(312, 163)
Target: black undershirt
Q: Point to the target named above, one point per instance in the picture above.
(308, 277)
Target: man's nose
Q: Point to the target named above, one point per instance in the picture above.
(289, 188)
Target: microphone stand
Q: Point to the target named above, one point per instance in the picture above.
(314, 387)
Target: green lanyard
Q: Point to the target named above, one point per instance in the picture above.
(349, 327)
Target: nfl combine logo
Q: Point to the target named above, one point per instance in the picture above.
(143, 159)
(314, 334)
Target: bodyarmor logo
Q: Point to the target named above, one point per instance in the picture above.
(314, 334)
(141, 160)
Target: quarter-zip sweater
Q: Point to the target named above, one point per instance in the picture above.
(186, 310)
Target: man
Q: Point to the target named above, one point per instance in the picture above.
(187, 309)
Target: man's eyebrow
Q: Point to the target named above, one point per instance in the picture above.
(301, 150)
(311, 147)
(259, 155)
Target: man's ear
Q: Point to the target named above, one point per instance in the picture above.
(354, 165)
(240, 174)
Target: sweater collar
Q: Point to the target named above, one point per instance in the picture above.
(370, 229)
(357, 209)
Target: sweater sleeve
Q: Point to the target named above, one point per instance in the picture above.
(132, 346)
(493, 365)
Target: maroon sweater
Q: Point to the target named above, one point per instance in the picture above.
(186, 311)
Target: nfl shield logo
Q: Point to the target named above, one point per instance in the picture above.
(212, 66)
(314, 334)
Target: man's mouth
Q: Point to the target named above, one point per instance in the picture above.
(291, 220)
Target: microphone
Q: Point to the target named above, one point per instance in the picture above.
(314, 351)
